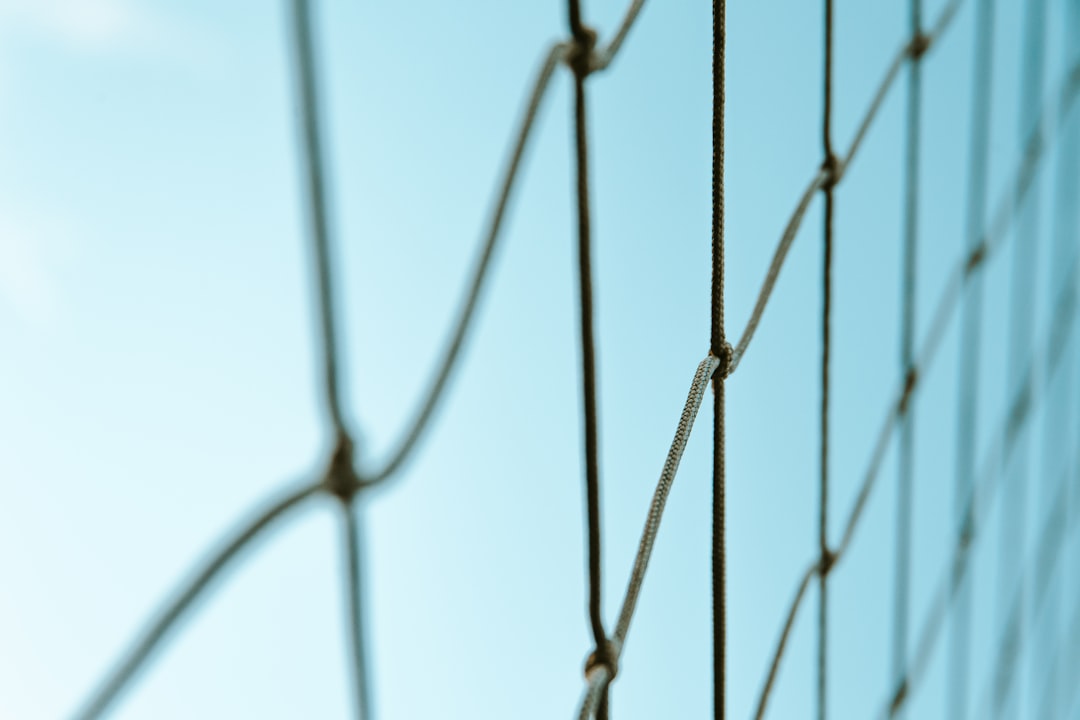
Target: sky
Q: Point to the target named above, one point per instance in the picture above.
(160, 378)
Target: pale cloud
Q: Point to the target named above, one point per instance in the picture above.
(32, 256)
(107, 27)
(84, 24)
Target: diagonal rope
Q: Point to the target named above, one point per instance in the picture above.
(970, 265)
(601, 58)
(1065, 667)
(583, 58)
(1068, 660)
(1046, 684)
(1023, 275)
(822, 177)
(599, 675)
(909, 266)
(1054, 534)
(981, 497)
(558, 53)
(184, 597)
(340, 480)
(971, 334)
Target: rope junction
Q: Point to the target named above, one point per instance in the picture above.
(345, 476)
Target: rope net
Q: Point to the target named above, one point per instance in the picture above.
(1049, 123)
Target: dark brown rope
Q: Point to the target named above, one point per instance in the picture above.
(315, 179)
(834, 171)
(968, 267)
(584, 41)
(719, 348)
(825, 562)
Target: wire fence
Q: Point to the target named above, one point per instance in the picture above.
(1048, 126)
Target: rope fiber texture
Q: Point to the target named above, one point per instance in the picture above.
(344, 477)
(719, 348)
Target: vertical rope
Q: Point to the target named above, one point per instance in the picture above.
(341, 480)
(317, 203)
(957, 689)
(908, 271)
(584, 39)
(353, 577)
(1068, 231)
(1012, 615)
(1059, 431)
(719, 348)
(577, 27)
(588, 363)
(823, 519)
(826, 312)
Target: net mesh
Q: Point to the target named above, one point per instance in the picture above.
(1049, 125)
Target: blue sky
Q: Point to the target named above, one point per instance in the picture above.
(159, 378)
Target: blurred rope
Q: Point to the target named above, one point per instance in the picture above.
(342, 479)
(971, 336)
(598, 675)
(969, 265)
(184, 597)
(981, 497)
(835, 174)
(908, 272)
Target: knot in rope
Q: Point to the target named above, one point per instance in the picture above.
(898, 697)
(340, 479)
(967, 531)
(834, 170)
(725, 356)
(602, 657)
(579, 57)
(828, 560)
(919, 45)
(975, 258)
(911, 379)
